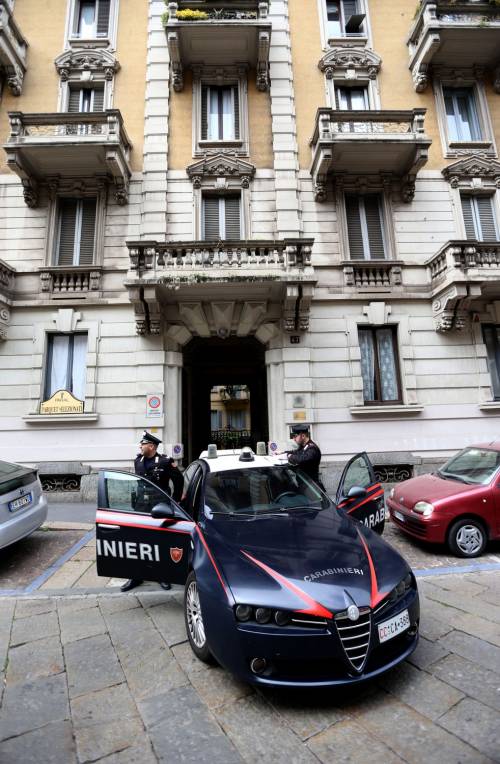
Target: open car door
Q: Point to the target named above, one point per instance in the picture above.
(368, 508)
(130, 542)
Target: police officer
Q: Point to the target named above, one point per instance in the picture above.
(161, 470)
(307, 456)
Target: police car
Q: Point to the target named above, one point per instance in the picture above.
(282, 586)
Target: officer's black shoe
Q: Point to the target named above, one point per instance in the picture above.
(130, 584)
(165, 585)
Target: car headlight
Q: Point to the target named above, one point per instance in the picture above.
(391, 493)
(424, 508)
(264, 615)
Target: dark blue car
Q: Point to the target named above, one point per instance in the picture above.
(282, 586)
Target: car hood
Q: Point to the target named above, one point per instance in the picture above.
(430, 488)
(310, 561)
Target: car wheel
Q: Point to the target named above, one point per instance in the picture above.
(193, 618)
(467, 538)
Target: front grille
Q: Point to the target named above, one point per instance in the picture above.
(355, 637)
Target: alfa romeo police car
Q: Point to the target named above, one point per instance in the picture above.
(282, 586)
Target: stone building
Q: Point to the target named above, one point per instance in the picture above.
(298, 197)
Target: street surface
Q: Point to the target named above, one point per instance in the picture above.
(90, 674)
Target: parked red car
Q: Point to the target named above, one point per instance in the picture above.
(458, 505)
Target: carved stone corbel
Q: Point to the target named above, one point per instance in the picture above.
(30, 193)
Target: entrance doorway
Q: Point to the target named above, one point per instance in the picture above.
(224, 383)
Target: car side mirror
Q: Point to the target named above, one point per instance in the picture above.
(356, 492)
(162, 511)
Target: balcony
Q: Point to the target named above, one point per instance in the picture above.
(55, 147)
(371, 276)
(78, 280)
(205, 33)
(219, 288)
(13, 49)
(389, 144)
(7, 279)
(454, 34)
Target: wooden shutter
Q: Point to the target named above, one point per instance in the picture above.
(87, 234)
(98, 104)
(67, 226)
(211, 229)
(350, 8)
(354, 230)
(204, 112)
(374, 226)
(103, 7)
(232, 217)
(74, 100)
(487, 218)
(236, 102)
(470, 228)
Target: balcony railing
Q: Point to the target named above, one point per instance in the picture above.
(13, 49)
(78, 280)
(464, 256)
(373, 275)
(455, 34)
(227, 439)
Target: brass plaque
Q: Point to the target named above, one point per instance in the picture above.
(299, 416)
(62, 402)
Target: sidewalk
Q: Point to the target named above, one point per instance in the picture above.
(111, 677)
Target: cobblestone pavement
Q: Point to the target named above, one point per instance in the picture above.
(110, 677)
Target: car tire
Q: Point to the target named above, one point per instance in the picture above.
(467, 538)
(195, 628)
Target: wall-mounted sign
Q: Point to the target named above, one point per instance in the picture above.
(62, 402)
(299, 416)
(154, 405)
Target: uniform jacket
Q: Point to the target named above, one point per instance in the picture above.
(161, 470)
(307, 458)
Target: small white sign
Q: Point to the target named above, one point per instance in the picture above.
(154, 405)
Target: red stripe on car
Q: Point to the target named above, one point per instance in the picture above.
(210, 557)
(375, 595)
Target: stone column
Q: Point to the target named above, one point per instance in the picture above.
(275, 395)
(173, 397)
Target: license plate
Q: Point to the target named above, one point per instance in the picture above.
(23, 501)
(399, 516)
(394, 626)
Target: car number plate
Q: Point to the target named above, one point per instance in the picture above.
(23, 501)
(394, 626)
(399, 516)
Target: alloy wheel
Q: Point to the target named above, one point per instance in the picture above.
(194, 617)
(469, 539)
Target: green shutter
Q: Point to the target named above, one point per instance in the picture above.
(211, 230)
(67, 225)
(232, 217)
(374, 226)
(487, 218)
(87, 234)
(354, 230)
(470, 229)
(103, 18)
(204, 112)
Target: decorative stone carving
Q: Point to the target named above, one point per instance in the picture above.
(350, 63)
(475, 172)
(221, 165)
(320, 189)
(30, 193)
(94, 64)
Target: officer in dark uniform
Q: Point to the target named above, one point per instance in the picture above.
(307, 456)
(161, 470)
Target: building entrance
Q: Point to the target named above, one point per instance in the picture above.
(224, 394)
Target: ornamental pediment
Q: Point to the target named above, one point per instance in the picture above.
(225, 166)
(96, 61)
(462, 172)
(350, 63)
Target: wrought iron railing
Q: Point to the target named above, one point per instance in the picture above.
(244, 10)
(331, 122)
(226, 439)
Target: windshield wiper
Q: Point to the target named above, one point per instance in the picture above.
(448, 476)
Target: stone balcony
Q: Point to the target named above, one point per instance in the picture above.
(13, 49)
(218, 288)
(454, 34)
(7, 280)
(56, 147)
(64, 281)
(390, 145)
(220, 34)
(372, 276)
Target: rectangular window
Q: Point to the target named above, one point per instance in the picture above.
(91, 19)
(221, 218)
(379, 364)
(343, 18)
(351, 99)
(86, 99)
(365, 227)
(491, 336)
(215, 419)
(76, 231)
(462, 117)
(66, 364)
(479, 217)
(220, 113)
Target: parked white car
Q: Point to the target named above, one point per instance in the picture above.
(23, 507)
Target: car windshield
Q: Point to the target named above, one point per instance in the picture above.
(472, 465)
(262, 491)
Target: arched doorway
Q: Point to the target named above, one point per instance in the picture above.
(235, 363)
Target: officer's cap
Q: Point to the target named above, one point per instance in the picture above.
(299, 429)
(148, 438)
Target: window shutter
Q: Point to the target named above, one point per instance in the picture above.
(211, 218)
(98, 99)
(236, 101)
(67, 225)
(103, 17)
(470, 229)
(87, 232)
(350, 8)
(374, 227)
(487, 218)
(356, 251)
(232, 217)
(74, 100)
(204, 112)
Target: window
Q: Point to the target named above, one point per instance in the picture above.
(86, 99)
(462, 117)
(491, 336)
(220, 113)
(66, 364)
(479, 217)
(343, 18)
(379, 364)
(237, 419)
(215, 419)
(91, 19)
(365, 227)
(351, 99)
(75, 244)
(221, 217)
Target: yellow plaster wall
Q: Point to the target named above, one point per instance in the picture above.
(308, 80)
